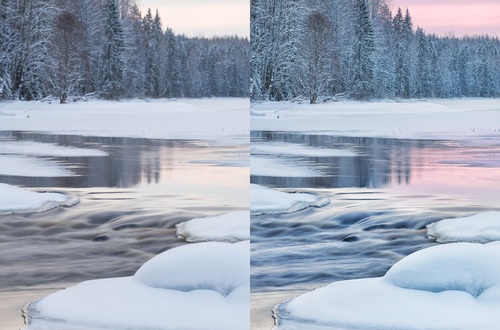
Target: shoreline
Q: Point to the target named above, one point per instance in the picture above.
(12, 302)
(262, 305)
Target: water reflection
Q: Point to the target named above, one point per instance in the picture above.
(131, 161)
(384, 162)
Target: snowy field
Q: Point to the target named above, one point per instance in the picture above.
(437, 119)
(221, 120)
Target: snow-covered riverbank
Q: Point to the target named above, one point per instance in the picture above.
(221, 120)
(436, 119)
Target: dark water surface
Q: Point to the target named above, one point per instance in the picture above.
(130, 203)
(382, 199)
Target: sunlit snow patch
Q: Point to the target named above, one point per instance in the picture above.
(18, 200)
(480, 228)
(269, 201)
(452, 286)
(229, 227)
(189, 287)
(46, 149)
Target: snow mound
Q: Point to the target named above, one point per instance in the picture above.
(440, 268)
(188, 269)
(147, 300)
(481, 228)
(269, 201)
(453, 286)
(19, 200)
(230, 227)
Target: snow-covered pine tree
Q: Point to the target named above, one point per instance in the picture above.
(111, 82)
(134, 73)
(6, 46)
(384, 57)
(363, 52)
(33, 24)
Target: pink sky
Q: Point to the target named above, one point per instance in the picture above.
(203, 17)
(458, 17)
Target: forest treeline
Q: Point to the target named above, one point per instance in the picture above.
(109, 49)
(357, 49)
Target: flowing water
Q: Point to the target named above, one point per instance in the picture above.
(381, 201)
(130, 203)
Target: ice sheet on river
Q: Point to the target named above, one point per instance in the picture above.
(264, 200)
(481, 228)
(285, 148)
(452, 286)
(15, 165)
(19, 200)
(282, 167)
(46, 149)
(229, 227)
(189, 287)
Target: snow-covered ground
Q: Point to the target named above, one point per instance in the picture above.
(229, 227)
(264, 200)
(481, 228)
(221, 120)
(19, 200)
(452, 286)
(196, 286)
(407, 119)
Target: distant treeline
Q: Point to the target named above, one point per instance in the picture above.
(107, 48)
(327, 49)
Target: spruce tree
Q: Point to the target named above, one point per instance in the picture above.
(364, 47)
(111, 83)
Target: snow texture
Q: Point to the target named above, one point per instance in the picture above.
(230, 227)
(280, 167)
(433, 119)
(192, 119)
(452, 286)
(264, 200)
(481, 228)
(19, 200)
(16, 165)
(46, 149)
(189, 287)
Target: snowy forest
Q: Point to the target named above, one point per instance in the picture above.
(321, 50)
(109, 49)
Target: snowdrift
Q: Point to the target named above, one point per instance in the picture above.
(452, 286)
